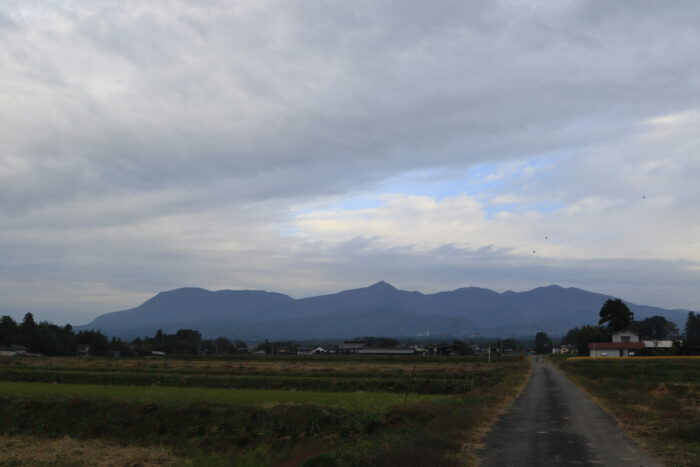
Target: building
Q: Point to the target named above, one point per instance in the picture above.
(352, 345)
(317, 350)
(362, 347)
(7, 352)
(661, 344)
(564, 348)
(624, 344)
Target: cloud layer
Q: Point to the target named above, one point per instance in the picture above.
(307, 147)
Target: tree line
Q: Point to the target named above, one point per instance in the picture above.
(50, 339)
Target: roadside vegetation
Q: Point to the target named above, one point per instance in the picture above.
(656, 400)
(254, 410)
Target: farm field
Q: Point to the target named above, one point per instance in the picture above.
(252, 410)
(656, 400)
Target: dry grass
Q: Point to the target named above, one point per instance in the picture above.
(329, 366)
(26, 450)
(680, 358)
(287, 366)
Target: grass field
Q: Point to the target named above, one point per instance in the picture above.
(252, 410)
(656, 399)
(374, 401)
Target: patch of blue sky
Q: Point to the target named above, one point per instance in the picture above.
(437, 183)
(483, 182)
(358, 203)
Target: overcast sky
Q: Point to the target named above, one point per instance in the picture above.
(308, 147)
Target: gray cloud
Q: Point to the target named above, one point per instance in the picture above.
(141, 144)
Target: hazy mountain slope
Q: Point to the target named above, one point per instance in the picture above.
(194, 305)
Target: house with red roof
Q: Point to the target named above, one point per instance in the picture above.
(624, 344)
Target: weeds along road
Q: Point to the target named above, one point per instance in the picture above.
(553, 423)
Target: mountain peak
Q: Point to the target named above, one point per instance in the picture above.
(381, 285)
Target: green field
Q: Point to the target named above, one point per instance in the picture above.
(374, 401)
(252, 410)
(656, 399)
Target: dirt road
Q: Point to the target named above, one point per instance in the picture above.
(553, 423)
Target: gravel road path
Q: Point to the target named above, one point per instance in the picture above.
(553, 423)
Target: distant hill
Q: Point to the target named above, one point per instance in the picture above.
(380, 310)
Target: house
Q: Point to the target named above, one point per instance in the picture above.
(420, 350)
(361, 347)
(564, 348)
(447, 349)
(317, 350)
(352, 345)
(624, 344)
(19, 349)
(661, 344)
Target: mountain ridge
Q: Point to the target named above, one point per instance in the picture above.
(377, 309)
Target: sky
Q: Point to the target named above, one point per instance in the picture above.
(307, 147)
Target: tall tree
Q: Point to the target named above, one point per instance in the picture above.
(692, 329)
(616, 314)
(28, 332)
(223, 346)
(543, 344)
(8, 330)
(99, 344)
(588, 334)
(656, 327)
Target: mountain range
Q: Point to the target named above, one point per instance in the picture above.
(378, 310)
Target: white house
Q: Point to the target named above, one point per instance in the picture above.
(311, 350)
(624, 344)
(625, 336)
